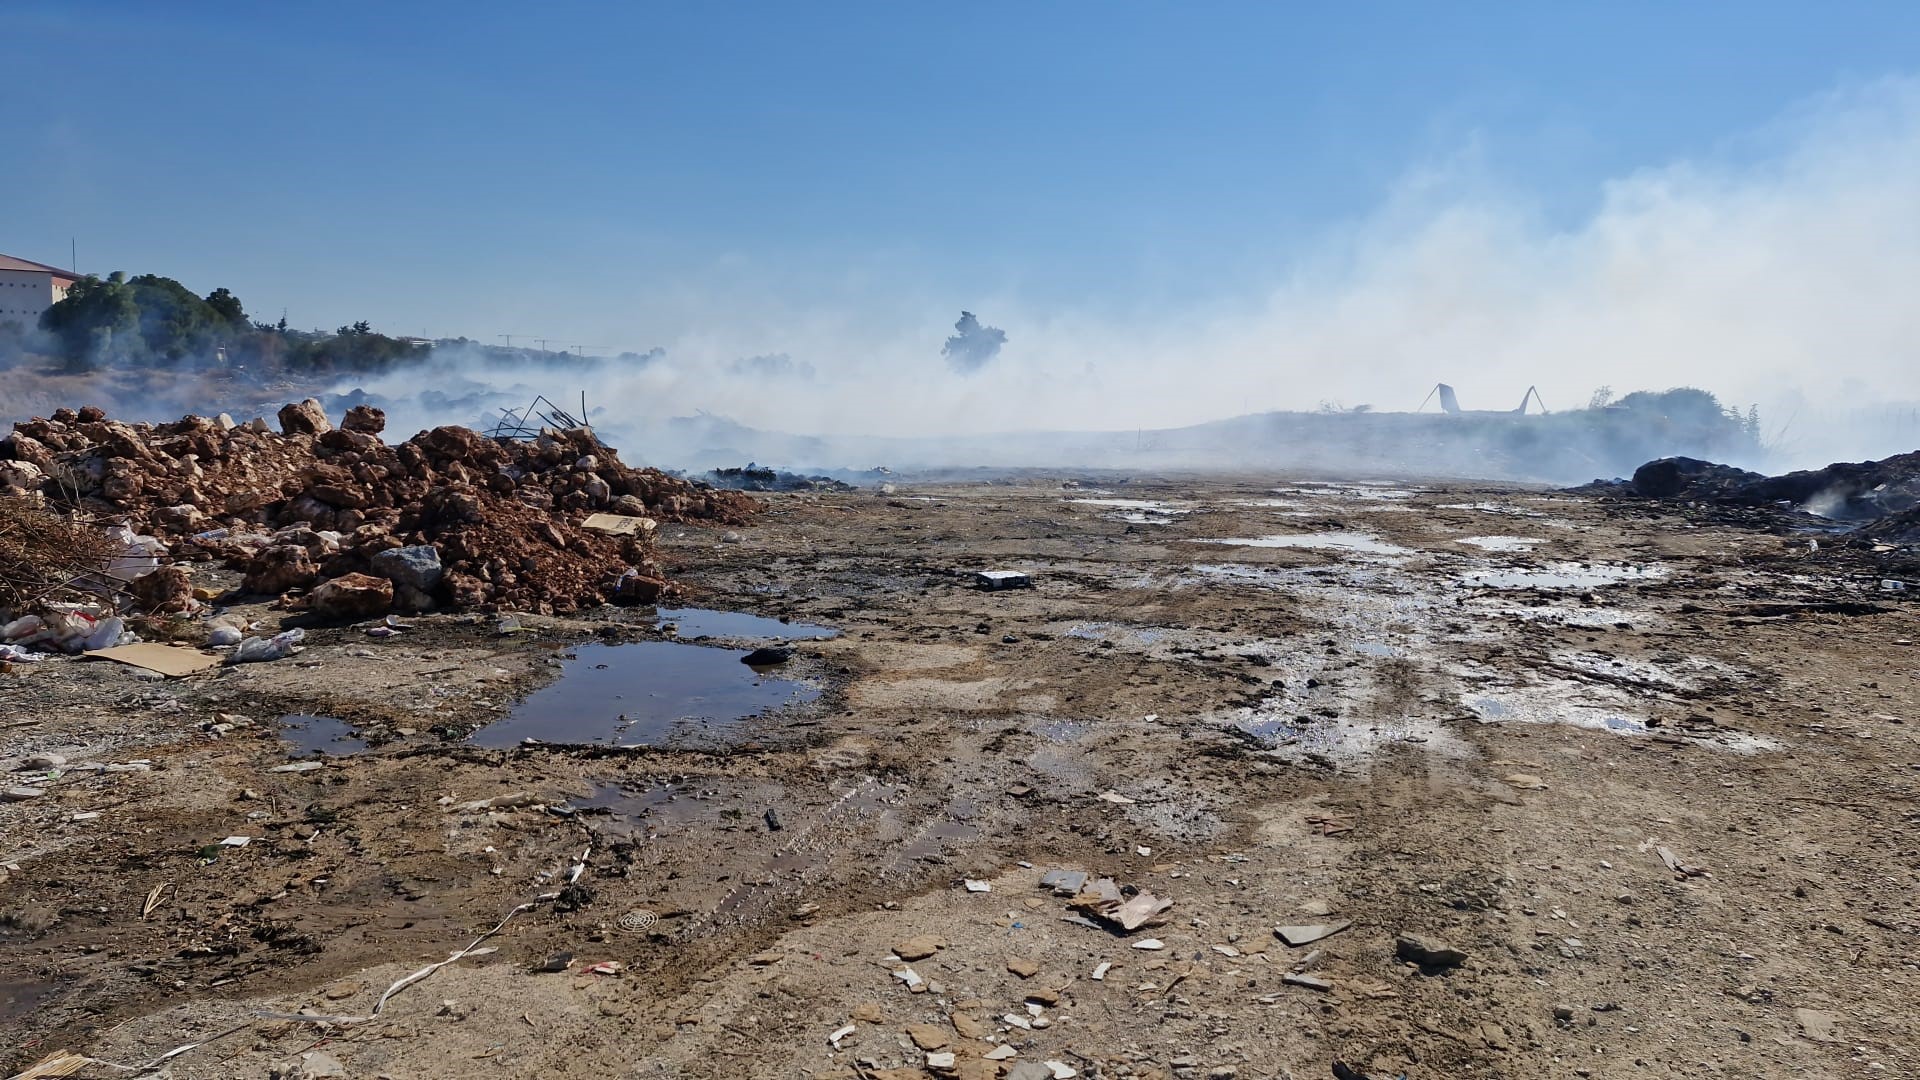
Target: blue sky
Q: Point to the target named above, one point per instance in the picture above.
(631, 175)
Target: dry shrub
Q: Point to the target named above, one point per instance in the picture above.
(43, 552)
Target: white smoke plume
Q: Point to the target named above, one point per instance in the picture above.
(1776, 270)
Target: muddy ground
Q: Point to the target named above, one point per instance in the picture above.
(1468, 713)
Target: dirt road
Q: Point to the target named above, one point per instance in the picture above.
(1646, 788)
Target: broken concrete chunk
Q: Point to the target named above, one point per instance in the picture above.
(943, 1062)
(1310, 982)
(1064, 882)
(994, 580)
(1427, 952)
(1000, 1053)
(1296, 936)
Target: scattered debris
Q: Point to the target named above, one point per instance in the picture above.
(168, 660)
(1310, 982)
(995, 580)
(1296, 936)
(1427, 952)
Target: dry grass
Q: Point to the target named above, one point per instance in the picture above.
(44, 553)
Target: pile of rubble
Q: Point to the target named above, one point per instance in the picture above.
(449, 518)
(1864, 491)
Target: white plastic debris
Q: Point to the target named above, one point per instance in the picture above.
(137, 554)
(278, 647)
(834, 1039)
(975, 885)
(1062, 1070)
(1116, 798)
(1000, 1053)
(1150, 944)
(1100, 972)
(16, 654)
(236, 841)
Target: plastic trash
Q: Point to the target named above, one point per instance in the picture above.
(224, 635)
(259, 650)
(106, 634)
(24, 626)
(15, 654)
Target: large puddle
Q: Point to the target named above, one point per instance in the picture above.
(641, 694)
(1139, 511)
(1326, 541)
(1501, 543)
(706, 622)
(1564, 575)
(326, 735)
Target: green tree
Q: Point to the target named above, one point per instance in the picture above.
(175, 323)
(227, 306)
(97, 322)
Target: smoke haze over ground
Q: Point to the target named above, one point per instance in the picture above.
(1773, 270)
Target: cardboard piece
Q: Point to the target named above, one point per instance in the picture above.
(169, 660)
(619, 524)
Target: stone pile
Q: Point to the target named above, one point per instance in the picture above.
(449, 518)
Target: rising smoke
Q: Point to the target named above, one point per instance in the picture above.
(1773, 271)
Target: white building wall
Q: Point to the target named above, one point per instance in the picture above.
(24, 294)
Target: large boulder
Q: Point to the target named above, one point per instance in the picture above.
(416, 567)
(1677, 477)
(351, 596)
(305, 418)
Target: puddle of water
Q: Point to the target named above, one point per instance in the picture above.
(1359, 490)
(1591, 618)
(1492, 508)
(645, 810)
(1541, 705)
(1327, 541)
(706, 622)
(1566, 575)
(1153, 505)
(310, 735)
(634, 694)
(933, 842)
(1106, 631)
(1501, 543)
(1347, 741)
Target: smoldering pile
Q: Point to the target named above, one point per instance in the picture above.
(447, 519)
(1875, 502)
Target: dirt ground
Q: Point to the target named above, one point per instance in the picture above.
(1475, 714)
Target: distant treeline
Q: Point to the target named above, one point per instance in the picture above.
(151, 321)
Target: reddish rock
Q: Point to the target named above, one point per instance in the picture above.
(279, 568)
(167, 589)
(305, 418)
(364, 418)
(351, 596)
